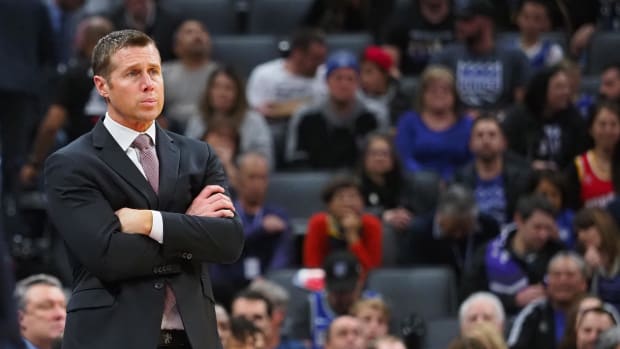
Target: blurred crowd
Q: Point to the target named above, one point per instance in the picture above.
(479, 137)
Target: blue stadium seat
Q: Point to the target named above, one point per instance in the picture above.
(244, 52)
(219, 16)
(276, 16)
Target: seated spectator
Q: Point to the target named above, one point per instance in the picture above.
(547, 129)
(583, 100)
(481, 307)
(223, 324)
(378, 89)
(466, 343)
(574, 316)
(256, 307)
(552, 186)
(150, 17)
(383, 183)
(375, 318)
(513, 265)
(277, 88)
(328, 135)
(416, 34)
(593, 322)
(609, 339)
(489, 335)
(42, 311)
(244, 335)
(598, 239)
(488, 77)
(75, 105)
(435, 137)
(345, 332)
(610, 82)
(224, 140)
(344, 280)
(496, 177)
(186, 77)
(268, 240)
(224, 99)
(533, 20)
(591, 173)
(388, 342)
(344, 226)
(450, 235)
(542, 323)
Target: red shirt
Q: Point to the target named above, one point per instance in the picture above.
(595, 192)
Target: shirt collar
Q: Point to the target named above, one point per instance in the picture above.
(123, 135)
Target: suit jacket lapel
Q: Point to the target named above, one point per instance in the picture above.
(113, 155)
(169, 155)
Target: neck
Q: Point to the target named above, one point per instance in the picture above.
(249, 207)
(194, 62)
(439, 114)
(489, 168)
(274, 341)
(40, 344)
(139, 126)
(484, 44)
(291, 67)
(518, 245)
(342, 107)
(564, 307)
(603, 154)
(376, 178)
(529, 40)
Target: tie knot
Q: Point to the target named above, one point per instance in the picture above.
(142, 142)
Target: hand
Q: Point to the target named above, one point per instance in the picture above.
(135, 221)
(212, 202)
(28, 174)
(399, 218)
(528, 294)
(273, 224)
(351, 223)
(593, 258)
(543, 165)
(581, 38)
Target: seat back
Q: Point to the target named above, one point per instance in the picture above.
(276, 16)
(218, 16)
(604, 49)
(244, 52)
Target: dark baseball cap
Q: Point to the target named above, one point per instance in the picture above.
(475, 8)
(342, 271)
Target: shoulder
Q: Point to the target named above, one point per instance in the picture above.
(266, 69)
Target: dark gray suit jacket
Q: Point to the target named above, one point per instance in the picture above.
(118, 290)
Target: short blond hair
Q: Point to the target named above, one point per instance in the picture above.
(430, 75)
(488, 334)
(371, 303)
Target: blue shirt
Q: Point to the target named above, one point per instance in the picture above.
(564, 222)
(491, 198)
(560, 324)
(421, 148)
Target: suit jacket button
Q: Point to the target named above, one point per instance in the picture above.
(158, 285)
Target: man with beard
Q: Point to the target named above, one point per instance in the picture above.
(495, 176)
(488, 77)
(542, 323)
(186, 77)
(267, 230)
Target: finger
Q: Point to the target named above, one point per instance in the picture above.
(209, 190)
(222, 205)
(216, 197)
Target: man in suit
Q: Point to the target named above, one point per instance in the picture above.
(142, 211)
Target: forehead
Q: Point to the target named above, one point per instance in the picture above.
(346, 324)
(591, 319)
(249, 306)
(486, 126)
(135, 55)
(564, 265)
(43, 292)
(191, 25)
(480, 306)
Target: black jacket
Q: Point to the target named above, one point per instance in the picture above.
(534, 327)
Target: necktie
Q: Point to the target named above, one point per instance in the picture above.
(150, 165)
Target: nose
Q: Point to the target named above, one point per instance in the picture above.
(147, 82)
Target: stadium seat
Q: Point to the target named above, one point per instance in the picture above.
(351, 42)
(298, 298)
(409, 86)
(590, 84)
(244, 52)
(219, 16)
(299, 193)
(276, 16)
(439, 333)
(429, 292)
(604, 49)
(422, 191)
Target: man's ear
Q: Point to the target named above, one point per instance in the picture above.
(101, 84)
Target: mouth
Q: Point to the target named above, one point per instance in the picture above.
(149, 102)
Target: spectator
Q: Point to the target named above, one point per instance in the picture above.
(345, 332)
(245, 335)
(76, 104)
(542, 323)
(383, 183)
(223, 138)
(592, 323)
(150, 17)
(489, 335)
(378, 89)
(256, 307)
(344, 226)
(435, 137)
(224, 100)
(450, 235)
(41, 305)
(64, 16)
(389, 342)
(610, 82)
(344, 279)
(418, 33)
(547, 129)
(533, 20)
(279, 87)
(488, 77)
(496, 177)
(466, 343)
(329, 135)
(513, 265)
(186, 77)
(583, 100)
(481, 307)
(552, 186)
(599, 242)
(223, 324)
(268, 235)
(574, 316)
(609, 339)
(279, 298)
(591, 173)
(375, 318)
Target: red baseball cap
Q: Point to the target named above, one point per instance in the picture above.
(378, 56)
